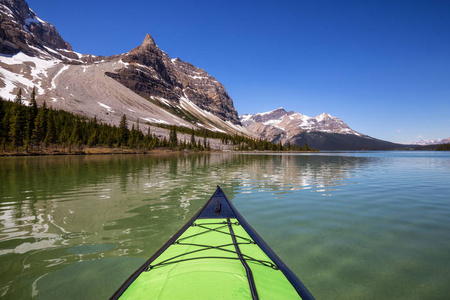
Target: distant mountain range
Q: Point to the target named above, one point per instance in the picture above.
(323, 132)
(432, 142)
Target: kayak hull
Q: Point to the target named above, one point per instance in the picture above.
(216, 255)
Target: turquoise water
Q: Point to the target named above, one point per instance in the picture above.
(351, 225)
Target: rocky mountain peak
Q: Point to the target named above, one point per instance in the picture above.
(148, 40)
(280, 125)
(270, 115)
(325, 117)
(147, 52)
(152, 73)
(21, 30)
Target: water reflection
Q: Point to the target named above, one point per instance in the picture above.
(287, 173)
(77, 215)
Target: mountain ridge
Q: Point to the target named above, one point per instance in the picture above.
(144, 83)
(432, 142)
(175, 80)
(323, 132)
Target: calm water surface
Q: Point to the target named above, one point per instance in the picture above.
(361, 225)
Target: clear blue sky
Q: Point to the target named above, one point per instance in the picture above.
(383, 67)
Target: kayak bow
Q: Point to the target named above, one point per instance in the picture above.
(216, 255)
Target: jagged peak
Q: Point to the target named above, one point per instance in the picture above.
(324, 116)
(280, 109)
(148, 40)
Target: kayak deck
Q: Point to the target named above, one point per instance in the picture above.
(216, 255)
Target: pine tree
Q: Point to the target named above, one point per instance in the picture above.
(76, 135)
(18, 124)
(124, 132)
(307, 147)
(193, 139)
(5, 127)
(64, 135)
(93, 138)
(147, 139)
(110, 140)
(51, 136)
(93, 132)
(31, 117)
(33, 99)
(139, 136)
(40, 125)
(133, 137)
(173, 139)
(18, 99)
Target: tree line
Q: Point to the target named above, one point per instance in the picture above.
(443, 147)
(32, 128)
(239, 142)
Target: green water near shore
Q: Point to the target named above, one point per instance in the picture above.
(356, 225)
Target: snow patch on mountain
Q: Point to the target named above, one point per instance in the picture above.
(289, 121)
(431, 142)
(108, 108)
(64, 68)
(270, 112)
(23, 71)
(32, 19)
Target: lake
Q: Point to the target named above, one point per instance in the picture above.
(351, 225)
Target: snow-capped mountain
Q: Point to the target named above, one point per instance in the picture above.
(294, 121)
(323, 132)
(432, 142)
(144, 83)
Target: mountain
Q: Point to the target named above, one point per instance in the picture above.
(291, 121)
(151, 72)
(21, 30)
(144, 83)
(323, 132)
(432, 142)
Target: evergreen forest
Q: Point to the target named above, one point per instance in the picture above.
(32, 129)
(443, 147)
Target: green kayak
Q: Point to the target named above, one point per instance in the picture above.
(216, 255)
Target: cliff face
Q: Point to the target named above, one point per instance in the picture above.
(21, 30)
(150, 72)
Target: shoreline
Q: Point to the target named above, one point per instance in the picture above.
(84, 151)
(117, 151)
